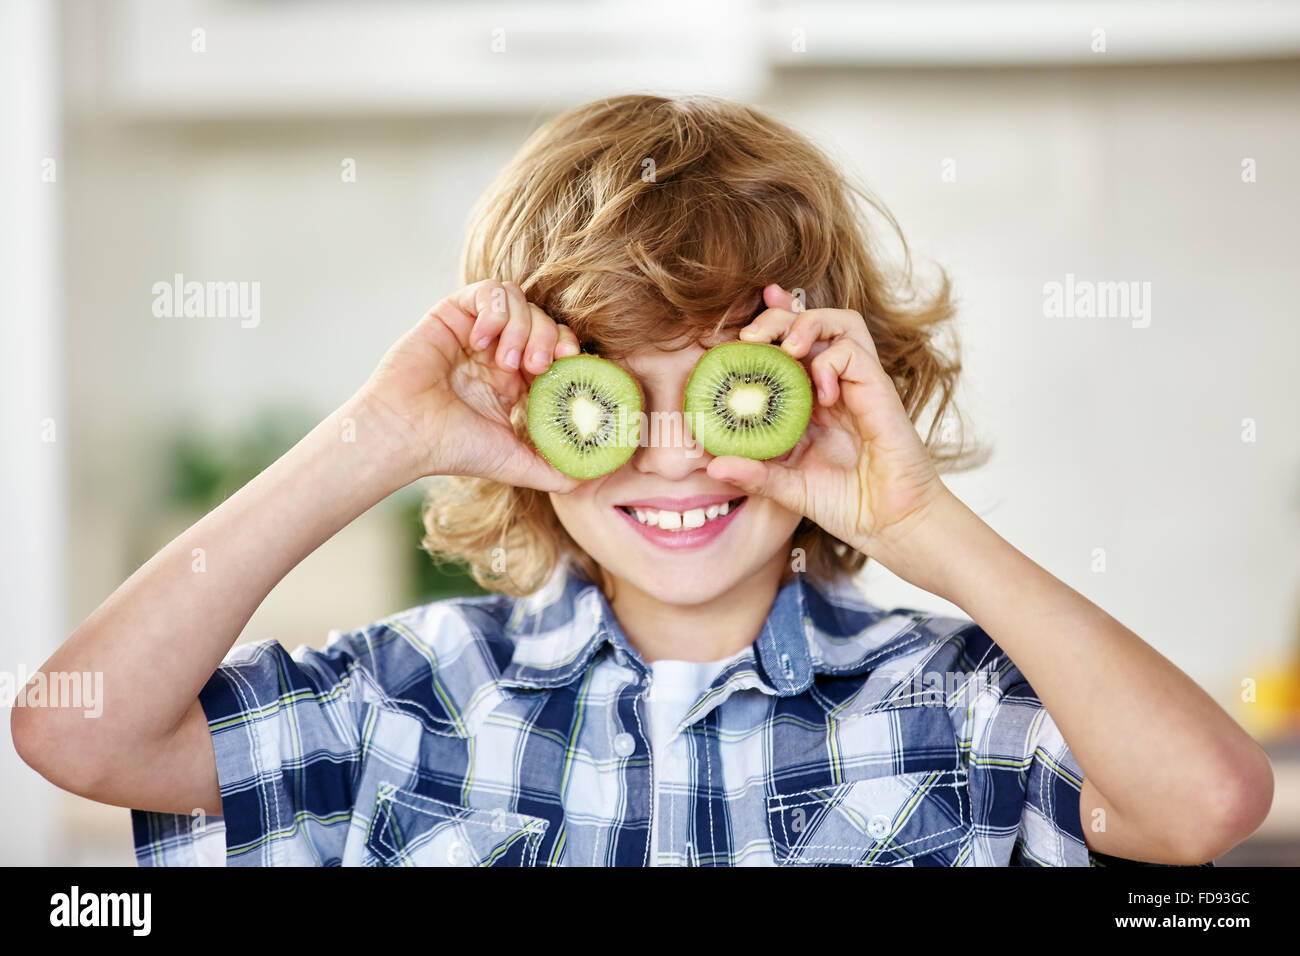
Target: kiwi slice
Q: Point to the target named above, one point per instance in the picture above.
(748, 399)
(584, 415)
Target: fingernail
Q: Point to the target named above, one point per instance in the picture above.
(482, 342)
(539, 358)
(512, 358)
(821, 393)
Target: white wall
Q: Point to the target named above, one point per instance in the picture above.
(1106, 436)
(31, 409)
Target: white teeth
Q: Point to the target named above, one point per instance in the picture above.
(680, 520)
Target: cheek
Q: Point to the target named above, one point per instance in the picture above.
(577, 510)
(774, 523)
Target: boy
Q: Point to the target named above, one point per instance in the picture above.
(677, 668)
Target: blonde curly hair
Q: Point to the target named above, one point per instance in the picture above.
(639, 219)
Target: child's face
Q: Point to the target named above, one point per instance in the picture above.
(695, 564)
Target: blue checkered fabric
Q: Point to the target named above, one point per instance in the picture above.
(512, 732)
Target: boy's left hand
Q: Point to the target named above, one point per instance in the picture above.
(860, 471)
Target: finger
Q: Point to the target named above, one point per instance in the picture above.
(826, 369)
(776, 296)
(821, 325)
(444, 328)
(768, 479)
(510, 349)
(567, 344)
(450, 313)
(491, 306)
(541, 341)
(847, 368)
(827, 322)
(466, 313)
(525, 468)
(768, 326)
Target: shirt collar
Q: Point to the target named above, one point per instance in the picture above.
(558, 631)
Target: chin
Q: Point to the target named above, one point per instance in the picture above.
(732, 541)
(685, 587)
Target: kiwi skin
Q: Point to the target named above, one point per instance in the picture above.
(785, 358)
(568, 468)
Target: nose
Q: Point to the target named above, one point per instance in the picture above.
(669, 448)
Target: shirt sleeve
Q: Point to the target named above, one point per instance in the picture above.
(286, 730)
(1025, 783)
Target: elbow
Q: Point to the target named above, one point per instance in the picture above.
(60, 757)
(1236, 802)
(24, 729)
(30, 738)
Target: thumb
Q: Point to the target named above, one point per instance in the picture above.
(536, 472)
(768, 479)
(775, 297)
(525, 468)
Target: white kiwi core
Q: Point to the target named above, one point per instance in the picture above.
(585, 415)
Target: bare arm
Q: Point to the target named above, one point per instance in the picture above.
(1178, 779)
(433, 407)
(158, 637)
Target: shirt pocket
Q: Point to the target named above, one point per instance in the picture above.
(411, 829)
(880, 821)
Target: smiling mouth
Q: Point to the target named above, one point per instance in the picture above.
(682, 520)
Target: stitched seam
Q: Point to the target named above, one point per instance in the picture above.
(781, 806)
(790, 845)
(470, 813)
(1046, 793)
(536, 846)
(883, 848)
(532, 837)
(672, 814)
(884, 855)
(636, 712)
(836, 786)
(271, 843)
(708, 767)
(611, 717)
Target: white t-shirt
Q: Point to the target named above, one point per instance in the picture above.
(675, 688)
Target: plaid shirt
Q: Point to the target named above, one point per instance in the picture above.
(511, 732)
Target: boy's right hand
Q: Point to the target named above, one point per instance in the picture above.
(449, 392)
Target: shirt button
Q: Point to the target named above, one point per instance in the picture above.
(624, 745)
(878, 826)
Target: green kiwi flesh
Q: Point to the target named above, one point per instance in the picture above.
(584, 415)
(748, 399)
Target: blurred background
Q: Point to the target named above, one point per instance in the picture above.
(1147, 452)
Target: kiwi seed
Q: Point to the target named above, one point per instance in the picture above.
(748, 399)
(584, 415)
